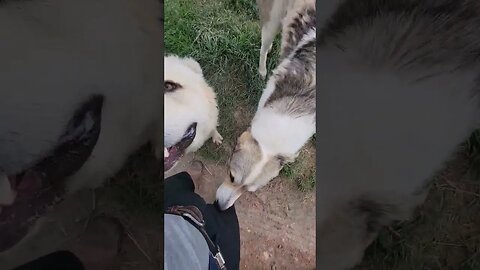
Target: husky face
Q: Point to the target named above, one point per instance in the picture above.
(250, 169)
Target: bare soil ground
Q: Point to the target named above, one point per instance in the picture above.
(277, 223)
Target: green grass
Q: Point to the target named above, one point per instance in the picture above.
(224, 37)
(302, 171)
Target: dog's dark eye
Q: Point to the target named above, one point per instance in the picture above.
(171, 86)
(232, 179)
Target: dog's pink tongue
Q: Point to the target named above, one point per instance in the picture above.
(33, 200)
(173, 156)
(29, 182)
(173, 151)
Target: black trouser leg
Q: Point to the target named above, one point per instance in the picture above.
(180, 190)
(221, 226)
(224, 228)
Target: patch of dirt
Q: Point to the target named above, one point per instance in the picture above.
(277, 228)
(277, 223)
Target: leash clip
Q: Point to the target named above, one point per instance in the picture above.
(220, 261)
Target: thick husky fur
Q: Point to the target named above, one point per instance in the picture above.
(56, 53)
(285, 117)
(399, 92)
(192, 101)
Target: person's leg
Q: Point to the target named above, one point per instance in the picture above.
(180, 190)
(223, 227)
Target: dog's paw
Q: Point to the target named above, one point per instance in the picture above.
(217, 138)
(263, 72)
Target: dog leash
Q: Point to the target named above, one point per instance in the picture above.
(194, 216)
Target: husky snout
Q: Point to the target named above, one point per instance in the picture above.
(227, 194)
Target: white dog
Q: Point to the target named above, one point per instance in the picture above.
(190, 110)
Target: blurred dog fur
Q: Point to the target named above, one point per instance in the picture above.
(399, 84)
(55, 54)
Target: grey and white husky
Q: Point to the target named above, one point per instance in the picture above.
(276, 15)
(285, 116)
(399, 84)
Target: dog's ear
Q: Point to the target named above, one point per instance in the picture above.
(192, 64)
(246, 135)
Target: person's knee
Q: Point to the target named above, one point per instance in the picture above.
(180, 181)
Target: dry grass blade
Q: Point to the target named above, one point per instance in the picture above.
(134, 240)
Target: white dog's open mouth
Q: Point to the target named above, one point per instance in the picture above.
(41, 186)
(175, 152)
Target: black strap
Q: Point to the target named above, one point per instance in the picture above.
(194, 216)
